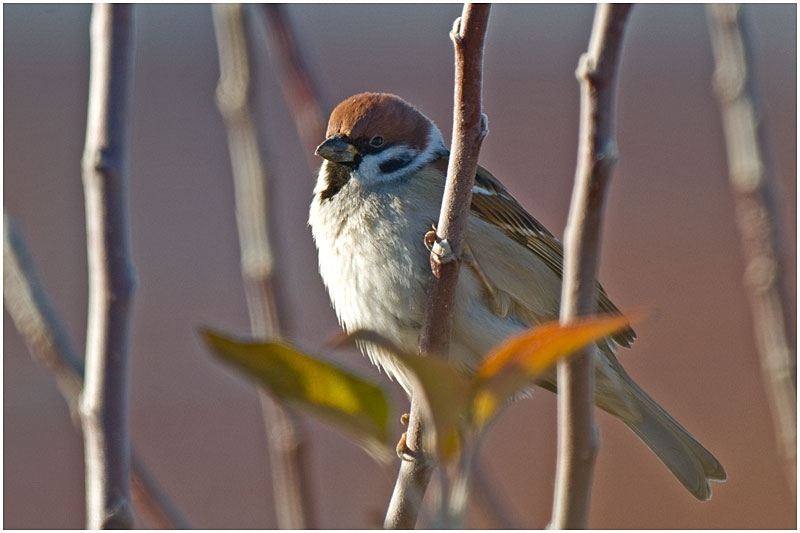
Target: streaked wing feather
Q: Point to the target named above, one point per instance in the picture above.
(492, 202)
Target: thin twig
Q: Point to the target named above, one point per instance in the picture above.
(299, 90)
(495, 509)
(597, 155)
(47, 340)
(111, 278)
(285, 437)
(36, 320)
(753, 184)
(151, 498)
(469, 129)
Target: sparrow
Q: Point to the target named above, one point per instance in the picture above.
(379, 191)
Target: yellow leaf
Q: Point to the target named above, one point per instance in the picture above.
(349, 403)
(521, 359)
(444, 389)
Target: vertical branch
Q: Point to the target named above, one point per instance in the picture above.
(597, 155)
(111, 278)
(298, 88)
(47, 340)
(412, 479)
(284, 436)
(469, 129)
(752, 184)
(233, 93)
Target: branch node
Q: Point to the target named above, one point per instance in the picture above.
(607, 155)
(100, 160)
(484, 127)
(120, 516)
(585, 66)
(455, 33)
(760, 274)
(442, 251)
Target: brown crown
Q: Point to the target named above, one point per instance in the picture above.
(366, 115)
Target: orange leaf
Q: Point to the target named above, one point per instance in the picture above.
(520, 359)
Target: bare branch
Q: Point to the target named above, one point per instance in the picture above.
(47, 340)
(299, 90)
(753, 184)
(111, 278)
(469, 129)
(150, 497)
(412, 479)
(495, 509)
(35, 319)
(597, 155)
(284, 433)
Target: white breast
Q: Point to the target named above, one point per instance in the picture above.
(376, 268)
(373, 261)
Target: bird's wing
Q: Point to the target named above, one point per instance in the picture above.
(535, 285)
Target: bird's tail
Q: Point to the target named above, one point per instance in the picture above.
(686, 458)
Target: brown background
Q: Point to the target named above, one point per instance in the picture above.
(669, 242)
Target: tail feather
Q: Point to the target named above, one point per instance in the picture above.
(616, 393)
(690, 462)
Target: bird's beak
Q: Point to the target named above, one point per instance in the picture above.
(337, 150)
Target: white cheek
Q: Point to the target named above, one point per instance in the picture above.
(369, 170)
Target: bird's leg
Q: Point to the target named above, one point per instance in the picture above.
(402, 449)
(499, 301)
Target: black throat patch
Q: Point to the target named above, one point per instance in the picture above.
(338, 176)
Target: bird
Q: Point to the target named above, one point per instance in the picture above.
(378, 193)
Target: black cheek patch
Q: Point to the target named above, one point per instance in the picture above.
(387, 167)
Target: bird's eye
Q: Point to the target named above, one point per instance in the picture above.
(376, 142)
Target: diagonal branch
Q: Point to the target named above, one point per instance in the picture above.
(469, 129)
(753, 184)
(48, 342)
(285, 435)
(36, 320)
(299, 90)
(111, 278)
(597, 155)
(493, 504)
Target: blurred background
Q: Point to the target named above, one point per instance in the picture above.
(670, 242)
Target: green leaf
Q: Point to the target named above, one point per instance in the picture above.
(343, 400)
